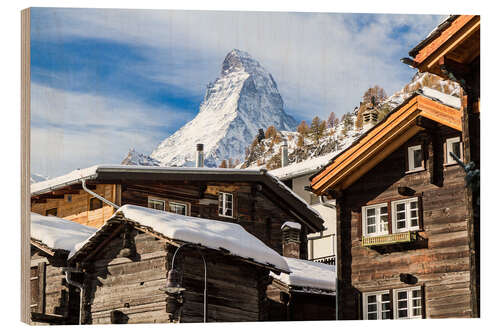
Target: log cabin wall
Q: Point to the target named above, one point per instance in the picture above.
(127, 290)
(253, 210)
(76, 207)
(439, 260)
(50, 294)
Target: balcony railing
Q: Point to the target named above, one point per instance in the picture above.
(402, 237)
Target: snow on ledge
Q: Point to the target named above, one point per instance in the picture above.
(208, 233)
(445, 99)
(58, 233)
(292, 225)
(308, 274)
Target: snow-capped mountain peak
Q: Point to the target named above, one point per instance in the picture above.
(243, 99)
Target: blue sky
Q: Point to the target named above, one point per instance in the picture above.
(104, 81)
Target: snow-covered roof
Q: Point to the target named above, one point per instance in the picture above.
(292, 225)
(57, 233)
(76, 176)
(441, 97)
(308, 274)
(98, 172)
(211, 234)
(303, 168)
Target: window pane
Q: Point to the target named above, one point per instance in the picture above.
(413, 213)
(383, 210)
(402, 304)
(371, 229)
(455, 148)
(386, 315)
(386, 306)
(413, 205)
(400, 207)
(370, 212)
(402, 313)
(372, 307)
(417, 312)
(370, 221)
(372, 316)
(400, 216)
(372, 299)
(416, 303)
(417, 158)
(401, 294)
(386, 298)
(416, 293)
(401, 225)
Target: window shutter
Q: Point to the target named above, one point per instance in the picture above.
(420, 212)
(361, 223)
(235, 204)
(422, 291)
(389, 217)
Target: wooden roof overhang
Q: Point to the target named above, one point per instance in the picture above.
(273, 189)
(118, 222)
(382, 140)
(452, 47)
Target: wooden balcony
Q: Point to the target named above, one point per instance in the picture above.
(402, 237)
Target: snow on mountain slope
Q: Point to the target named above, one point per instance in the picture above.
(136, 158)
(35, 178)
(243, 99)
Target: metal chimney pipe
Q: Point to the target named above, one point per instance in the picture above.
(284, 153)
(199, 155)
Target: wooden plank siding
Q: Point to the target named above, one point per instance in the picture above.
(77, 209)
(440, 261)
(131, 286)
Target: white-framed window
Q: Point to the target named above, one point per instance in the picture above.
(377, 305)
(156, 203)
(225, 204)
(415, 158)
(453, 145)
(178, 207)
(375, 220)
(408, 303)
(405, 215)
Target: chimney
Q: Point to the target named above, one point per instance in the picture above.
(284, 153)
(290, 239)
(199, 155)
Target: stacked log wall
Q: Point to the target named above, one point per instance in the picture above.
(441, 265)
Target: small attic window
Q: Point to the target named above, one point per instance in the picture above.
(415, 158)
(453, 145)
(95, 204)
(51, 212)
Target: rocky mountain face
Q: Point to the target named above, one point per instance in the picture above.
(35, 178)
(243, 99)
(136, 158)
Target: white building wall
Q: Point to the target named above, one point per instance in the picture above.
(321, 245)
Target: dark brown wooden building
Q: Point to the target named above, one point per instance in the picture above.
(402, 219)
(251, 198)
(53, 300)
(452, 51)
(126, 263)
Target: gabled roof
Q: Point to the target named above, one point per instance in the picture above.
(454, 43)
(111, 174)
(50, 233)
(314, 277)
(380, 141)
(225, 237)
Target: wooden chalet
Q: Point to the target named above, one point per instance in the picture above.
(126, 263)
(53, 300)
(306, 293)
(403, 245)
(252, 198)
(452, 51)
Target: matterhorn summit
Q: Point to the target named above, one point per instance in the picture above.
(243, 99)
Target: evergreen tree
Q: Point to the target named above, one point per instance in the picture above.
(317, 129)
(270, 132)
(331, 120)
(223, 164)
(260, 136)
(300, 141)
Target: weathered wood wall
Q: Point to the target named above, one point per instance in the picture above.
(131, 287)
(78, 209)
(440, 262)
(252, 209)
(53, 293)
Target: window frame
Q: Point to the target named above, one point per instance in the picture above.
(448, 144)
(377, 219)
(409, 302)
(153, 199)
(410, 158)
(224, 203)
(180, 203)
(408, 209)
(379, 303)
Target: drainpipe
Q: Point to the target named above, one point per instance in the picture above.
(200, 163)
(284, 153)
(95, 195)
(331, 206)
(67, 271)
